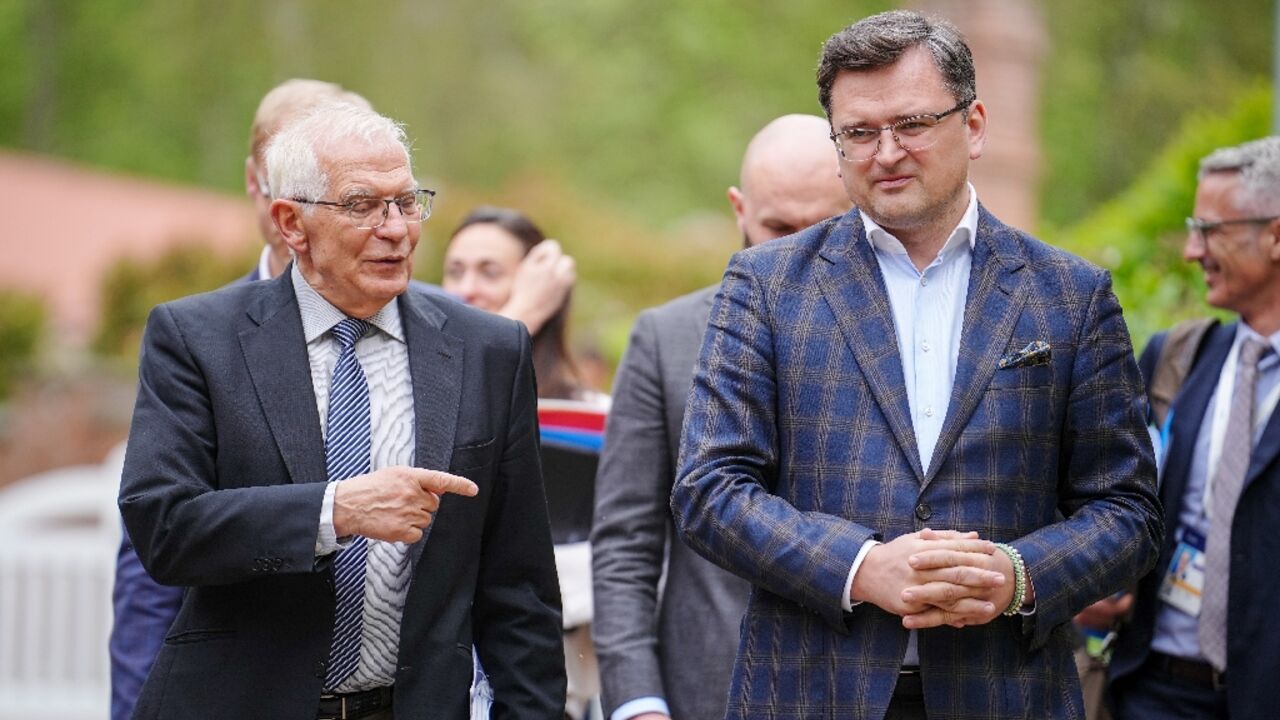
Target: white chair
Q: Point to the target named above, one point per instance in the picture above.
(61, 529)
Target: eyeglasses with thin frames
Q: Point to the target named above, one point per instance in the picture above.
(912, 134)
(1204, 229)
(369, 213)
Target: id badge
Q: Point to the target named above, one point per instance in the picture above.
(1184, 580)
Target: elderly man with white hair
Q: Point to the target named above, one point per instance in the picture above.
(344, 472)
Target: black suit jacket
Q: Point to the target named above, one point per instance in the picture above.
(222, 487)
(1253, 637)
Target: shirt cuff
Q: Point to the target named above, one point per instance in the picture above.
(639, 706)
(847, 602)
(327, 538)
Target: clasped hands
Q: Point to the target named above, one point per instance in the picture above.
(393, 504)
(936, 577)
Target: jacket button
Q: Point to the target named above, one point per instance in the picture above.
(321, 667)
(923, 511)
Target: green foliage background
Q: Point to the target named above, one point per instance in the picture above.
(618, 124)
(21, 330)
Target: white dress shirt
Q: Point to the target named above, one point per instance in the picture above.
(384, 357)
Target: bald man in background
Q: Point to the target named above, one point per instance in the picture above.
(670, 654)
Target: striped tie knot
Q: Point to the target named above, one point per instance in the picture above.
(349, 331)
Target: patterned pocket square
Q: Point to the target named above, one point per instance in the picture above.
(1037, 352)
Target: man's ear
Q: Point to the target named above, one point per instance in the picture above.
(287, 216)
(976, 125)
(738, 202)
(1271, 240)
(251, 187)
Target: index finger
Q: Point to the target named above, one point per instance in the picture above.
(442, 482)
(949, 557)
(964, 545)
(931, 534)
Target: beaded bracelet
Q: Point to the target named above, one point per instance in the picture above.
(1019, 578)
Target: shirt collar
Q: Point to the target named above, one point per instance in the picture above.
(264, 263)
(965, 232)
(1244, 332)
(319, 315)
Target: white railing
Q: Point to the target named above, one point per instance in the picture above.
(59, 531)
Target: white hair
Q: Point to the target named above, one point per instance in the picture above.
(1258, 163)
(293, 164)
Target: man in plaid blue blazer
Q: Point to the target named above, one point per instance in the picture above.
(918, 432)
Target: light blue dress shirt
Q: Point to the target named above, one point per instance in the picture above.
(928, 315)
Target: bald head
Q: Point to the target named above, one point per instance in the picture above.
(288, 101)
(789, 179)
(284, 103)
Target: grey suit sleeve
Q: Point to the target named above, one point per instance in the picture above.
(629, 533)
(188, 529)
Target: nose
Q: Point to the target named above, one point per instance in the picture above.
(468, 289)
(1196, 246)
(888, 150)
(393, 226)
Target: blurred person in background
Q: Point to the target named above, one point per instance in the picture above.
(490, 255)
(670, 654)
(1202, 640)
(144, 610)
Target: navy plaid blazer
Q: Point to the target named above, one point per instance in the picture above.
(798, 447)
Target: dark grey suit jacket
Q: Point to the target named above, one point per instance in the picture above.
(682, 647)
(222, 487)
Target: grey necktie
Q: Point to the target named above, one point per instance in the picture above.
(1233, 464)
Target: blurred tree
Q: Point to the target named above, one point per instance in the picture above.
(132, 287)
(21, 327)
(1122, 76)
(1139, 233)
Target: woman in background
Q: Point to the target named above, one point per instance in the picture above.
(481, 266)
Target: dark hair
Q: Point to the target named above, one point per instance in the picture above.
(879, 40)
(554, 367)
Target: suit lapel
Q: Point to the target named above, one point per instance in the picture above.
(995, 299)
(435, 362)
(275, 351)
(1188, 411)
(850, 281)
(1264, 453)
(1267, 449)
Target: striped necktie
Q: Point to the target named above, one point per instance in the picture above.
(346, 447)
(1233, 465)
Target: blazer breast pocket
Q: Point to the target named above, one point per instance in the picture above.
(1022, 377)
(472, 456)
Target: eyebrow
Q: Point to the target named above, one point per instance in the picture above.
(362, 193)
(896, 119)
